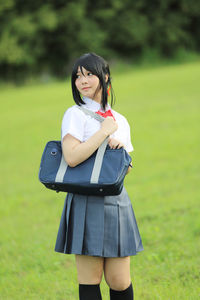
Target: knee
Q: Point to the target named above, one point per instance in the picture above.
(94, 280)
(89, 269)
(117, 282)
(90, 278)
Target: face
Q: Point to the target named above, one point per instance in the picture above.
(88, 84)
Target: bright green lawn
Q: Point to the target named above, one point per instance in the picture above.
(162, 107)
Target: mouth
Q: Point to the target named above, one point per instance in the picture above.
(86, 88)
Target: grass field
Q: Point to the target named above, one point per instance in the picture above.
(162, 107)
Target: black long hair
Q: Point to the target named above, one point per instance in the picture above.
(97, 66)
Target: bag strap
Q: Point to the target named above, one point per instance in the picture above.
(91, 113)
(102, 148)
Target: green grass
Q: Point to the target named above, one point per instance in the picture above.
(162, 107)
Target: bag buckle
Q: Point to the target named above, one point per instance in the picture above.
(54, 151)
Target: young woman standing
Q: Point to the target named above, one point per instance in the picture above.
(101, 231)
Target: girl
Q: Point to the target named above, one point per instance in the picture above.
(101, 231)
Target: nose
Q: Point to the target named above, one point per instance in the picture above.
(83, 80)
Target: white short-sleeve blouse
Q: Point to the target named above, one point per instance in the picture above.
(82, 126)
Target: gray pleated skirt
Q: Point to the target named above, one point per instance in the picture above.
(98, 226)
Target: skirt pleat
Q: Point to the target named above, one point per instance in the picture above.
(111, 231)
(94, 227)
(98, 226)
(76, 225)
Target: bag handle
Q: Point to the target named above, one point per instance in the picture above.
(99, 156)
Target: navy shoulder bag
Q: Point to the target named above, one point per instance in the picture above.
(102, 174)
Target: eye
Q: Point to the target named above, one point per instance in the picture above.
(90, 74)
(77, 76)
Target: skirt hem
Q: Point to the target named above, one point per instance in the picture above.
(98, 255)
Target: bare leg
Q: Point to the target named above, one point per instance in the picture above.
(117, 272)
(89, 269)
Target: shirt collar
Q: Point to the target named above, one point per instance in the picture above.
(93, 105)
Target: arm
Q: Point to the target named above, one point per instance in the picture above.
(76, 152)
(129, 168)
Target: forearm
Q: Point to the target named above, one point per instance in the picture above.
(129, 168)
(84, 150)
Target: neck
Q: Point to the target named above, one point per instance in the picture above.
(97, 98)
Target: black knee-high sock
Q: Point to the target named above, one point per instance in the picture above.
(126, 294)
(89, 292)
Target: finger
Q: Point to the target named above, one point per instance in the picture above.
(115, 145)
(110, 145)
(120, 146)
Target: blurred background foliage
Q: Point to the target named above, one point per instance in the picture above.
(39, 41)
(44, 37)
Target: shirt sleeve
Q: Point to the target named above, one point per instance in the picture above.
(128, 145)
(73, 122)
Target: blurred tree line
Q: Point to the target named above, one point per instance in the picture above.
(46, 36)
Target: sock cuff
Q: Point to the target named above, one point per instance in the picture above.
(123, 292)
(85, 285)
